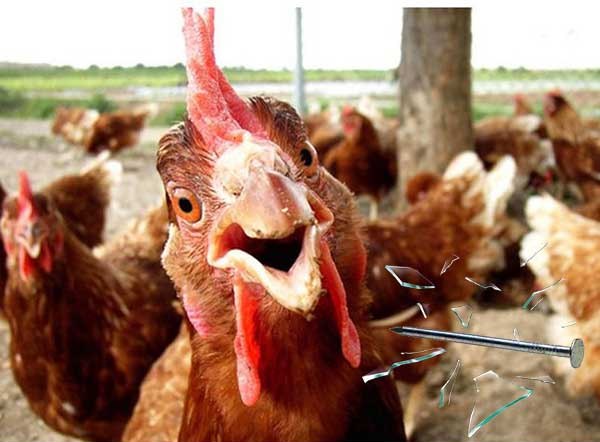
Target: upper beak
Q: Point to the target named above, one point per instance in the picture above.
(270, 235)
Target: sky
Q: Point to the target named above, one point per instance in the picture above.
(532, 34)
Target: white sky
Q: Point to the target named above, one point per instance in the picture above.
(534, 34)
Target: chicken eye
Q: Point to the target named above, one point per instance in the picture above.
(186, 205)
(308, 158)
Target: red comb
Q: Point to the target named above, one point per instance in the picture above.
(25, 200)
(347, 110)
(213, 106)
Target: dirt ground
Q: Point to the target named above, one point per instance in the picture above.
(548, 415)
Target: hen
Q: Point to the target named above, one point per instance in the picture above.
(265, 252)
(522, 137)
(85, 327)
(82, 200)
(572, 254)
(462, 215)
(95, 132)
(359, 160)
(576, 145)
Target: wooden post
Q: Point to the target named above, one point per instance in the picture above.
(435, 90)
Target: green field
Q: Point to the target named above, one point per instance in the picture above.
(30, 91)
(53, 79)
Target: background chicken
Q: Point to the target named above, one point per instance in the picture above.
(85, 326)
(82, 200)
(522, 137)
(576, 146)
(571, 254)
(462, 215)
(251, 248)
(359, 160)
(95, 132)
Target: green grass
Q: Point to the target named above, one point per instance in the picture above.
(16, 105)
(24, 79)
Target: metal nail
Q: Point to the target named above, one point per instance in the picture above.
(574, 352)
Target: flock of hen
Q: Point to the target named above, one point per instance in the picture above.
(249, 305)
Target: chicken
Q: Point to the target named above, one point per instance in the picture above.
(521, 136)
(266, 254)
(95, 132)
(462, 215)
(85, 326)
(522, 105)
(571, 254)
(576, 146)
(359, 160)
(419, 185)
(82, 200)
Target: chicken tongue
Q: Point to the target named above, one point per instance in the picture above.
(334, 286)
(246, 347)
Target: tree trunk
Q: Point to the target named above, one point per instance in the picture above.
(435, 90)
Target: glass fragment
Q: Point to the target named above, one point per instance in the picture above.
(410, 278)
(413, 358)
(424, 309)
(524, 262)
(484, 286)
(516, 335)
(545, 379)
(446, 389)
(536, 295)
(448, 263)
(463, 313)
(568, 324)
(485, 411)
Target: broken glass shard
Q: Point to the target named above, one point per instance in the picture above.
(516, 335)
(410, 278)
(424, 309)
(412, 358)
(446, 389)
(484, 286)
(568, 324)
(448, 263)
(544, 379)
(505, 395)
(524, 262)
(538, 295)
(537, 303)
(463, 313)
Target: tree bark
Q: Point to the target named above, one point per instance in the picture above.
(435, 90)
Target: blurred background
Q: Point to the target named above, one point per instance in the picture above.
(77, 78)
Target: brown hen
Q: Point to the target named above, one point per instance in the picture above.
(359, 160)
(576, 146)
(85, 327)
(266, 254)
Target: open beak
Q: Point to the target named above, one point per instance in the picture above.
(271, 236)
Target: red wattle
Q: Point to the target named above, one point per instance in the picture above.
(245, 345)
(26, 264)
(334, 286)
